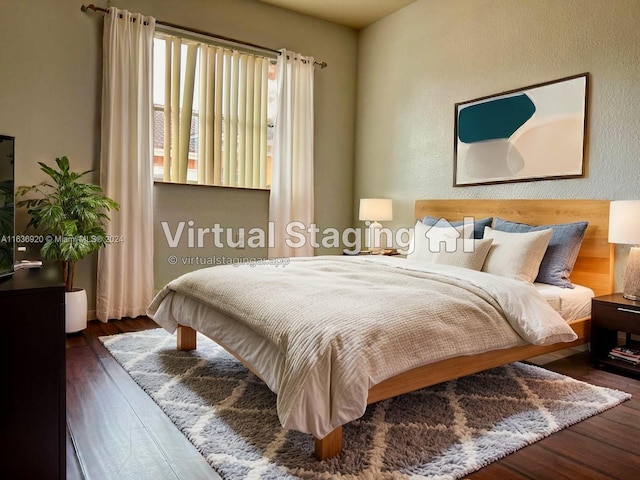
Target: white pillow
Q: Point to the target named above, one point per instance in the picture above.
(516, 255)
(469, 253)
(426, 239)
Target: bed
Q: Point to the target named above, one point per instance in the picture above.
(186, 313)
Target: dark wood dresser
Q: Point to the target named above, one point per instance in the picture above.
(32, 354)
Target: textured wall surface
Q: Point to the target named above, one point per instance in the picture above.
(417, 63)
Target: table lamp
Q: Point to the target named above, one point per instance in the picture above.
(624, 228)
(374, 210)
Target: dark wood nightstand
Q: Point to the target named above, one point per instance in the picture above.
(611, 314)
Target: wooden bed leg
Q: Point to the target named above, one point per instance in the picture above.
(186, 338)
(329, 446)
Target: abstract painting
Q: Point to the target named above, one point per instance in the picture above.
(534, 133)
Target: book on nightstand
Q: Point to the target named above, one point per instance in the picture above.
(626, 354)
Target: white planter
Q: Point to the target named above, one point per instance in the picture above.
(76, 310)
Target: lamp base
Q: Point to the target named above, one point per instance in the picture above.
(631, 281)
(373, 237)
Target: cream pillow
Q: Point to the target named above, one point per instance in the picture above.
(516, 255)
(469, 253)
(429, 242)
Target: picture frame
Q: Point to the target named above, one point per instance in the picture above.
(532, 133)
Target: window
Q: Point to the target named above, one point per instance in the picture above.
(212, 114)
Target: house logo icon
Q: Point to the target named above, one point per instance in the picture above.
(442, 235)
(445, 237)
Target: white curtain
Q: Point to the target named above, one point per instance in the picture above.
(125, 267)
(291, 201)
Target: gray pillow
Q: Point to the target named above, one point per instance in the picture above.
(562, 251)
(478, 225)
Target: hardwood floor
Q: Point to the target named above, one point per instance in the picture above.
(115, 431)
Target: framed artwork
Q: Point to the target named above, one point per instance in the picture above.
(533, 133)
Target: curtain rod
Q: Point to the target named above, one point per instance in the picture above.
(84, 8)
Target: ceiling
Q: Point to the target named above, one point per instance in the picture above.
(351, 13)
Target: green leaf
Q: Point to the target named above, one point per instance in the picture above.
(74, 213)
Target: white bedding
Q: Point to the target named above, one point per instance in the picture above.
(332, 349)
(570, 303)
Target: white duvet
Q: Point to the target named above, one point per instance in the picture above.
(343, 324)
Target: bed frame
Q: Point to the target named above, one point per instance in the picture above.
(593, 268)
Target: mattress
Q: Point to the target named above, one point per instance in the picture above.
(570, 303)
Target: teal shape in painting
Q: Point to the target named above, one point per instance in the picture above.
(494, 119)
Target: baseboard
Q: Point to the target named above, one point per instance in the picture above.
(91, 315)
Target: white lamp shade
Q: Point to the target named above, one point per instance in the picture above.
(624, 222)
(376, 209)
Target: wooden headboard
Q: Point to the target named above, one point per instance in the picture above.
(594, 266)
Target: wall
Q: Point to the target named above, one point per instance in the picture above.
(414, 65)
(234, 210)
(50, 93)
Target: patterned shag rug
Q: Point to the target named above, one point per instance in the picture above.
(444, 431)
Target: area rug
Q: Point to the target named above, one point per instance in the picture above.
(445, 431)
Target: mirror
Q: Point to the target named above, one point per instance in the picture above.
(7, 207)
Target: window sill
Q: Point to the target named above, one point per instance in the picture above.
(160, 182)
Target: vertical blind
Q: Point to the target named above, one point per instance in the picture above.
(215, 108)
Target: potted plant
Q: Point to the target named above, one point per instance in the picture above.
(71, 215)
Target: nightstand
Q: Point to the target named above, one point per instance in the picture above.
(611, 314)
(386, 253)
